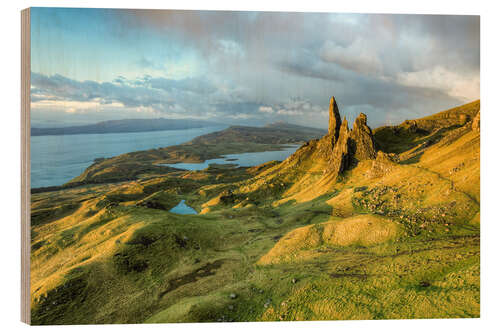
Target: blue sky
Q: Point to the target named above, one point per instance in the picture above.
(249, 68)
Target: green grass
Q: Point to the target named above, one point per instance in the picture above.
(113, 253)
(41, 216)
(153, 275)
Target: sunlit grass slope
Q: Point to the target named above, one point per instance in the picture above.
(394, 237)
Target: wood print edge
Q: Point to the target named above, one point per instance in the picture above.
(25, 165)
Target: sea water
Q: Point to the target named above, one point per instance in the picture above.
(56, 159)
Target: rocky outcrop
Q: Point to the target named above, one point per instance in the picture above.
(345, 148)
(411, 126)
(476, 122)
(382, 165)
(334, 122)
(327, 143)
(340, 149)
(340, 158)
(362, 140)
(463, 119)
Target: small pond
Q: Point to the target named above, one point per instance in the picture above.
(183, 209)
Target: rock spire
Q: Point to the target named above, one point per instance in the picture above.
(362, 139)
(344, 148)
(334, 121)
(340, 158)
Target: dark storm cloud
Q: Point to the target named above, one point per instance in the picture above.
(454, 39)
(378, 60)
(307, 64)
(269, 66)
(445, 35)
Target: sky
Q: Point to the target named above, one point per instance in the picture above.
(248, 68)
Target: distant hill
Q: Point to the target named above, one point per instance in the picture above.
(275, 133)
(124, 126)
(285, 125)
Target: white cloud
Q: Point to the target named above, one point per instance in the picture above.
(462, 86)
(266, 109)
(74, 106)
(290, 112)
(240, 116)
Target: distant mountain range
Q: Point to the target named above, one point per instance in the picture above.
(125, 125)
(294, 132)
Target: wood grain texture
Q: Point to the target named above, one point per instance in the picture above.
(25, 165)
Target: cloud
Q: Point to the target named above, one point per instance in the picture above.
(463, 87)
(189, 97)
(158, 93)
(311, 70)
(265, 66)
(299, 107)
(231, 48)
(148, 63)
(266, 109)
(358, 56)
(194, 85)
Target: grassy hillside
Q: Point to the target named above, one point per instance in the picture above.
(276, 133)
(412, 133)
(394, 237)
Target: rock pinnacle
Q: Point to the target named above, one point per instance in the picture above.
(334, 121)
